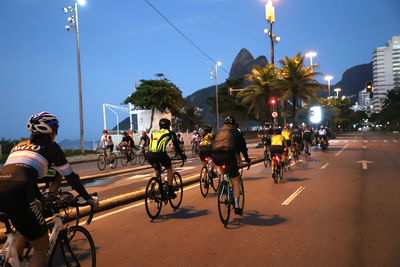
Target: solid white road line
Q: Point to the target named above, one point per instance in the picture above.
(385, 141)
(365, 141)
(364, 147)
(295, 194)
(140, 176)
(337, 154)
(325, 165)
(354, 141)
(254, 165)
(374, 141)
(395, 141)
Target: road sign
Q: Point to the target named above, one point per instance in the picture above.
(274, 114)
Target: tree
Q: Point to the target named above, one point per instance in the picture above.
(159, 94)
(189, 118)
(297, 81)
(229, 104)
(262, 87)
(391, 109)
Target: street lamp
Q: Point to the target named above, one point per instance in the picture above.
(311, 54)
(337, 90)
(270, 17)
(329, 78)
(73, 20)
(214, 75)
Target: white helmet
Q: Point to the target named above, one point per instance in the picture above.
(43, 122)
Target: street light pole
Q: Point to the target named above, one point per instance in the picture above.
(270, 17)
(337, 90)
(75, 24)
(311, 55)
(214, 75)
(329, 78)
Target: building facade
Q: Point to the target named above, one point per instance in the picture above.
(386, 72)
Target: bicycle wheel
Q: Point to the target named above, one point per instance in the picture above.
(177, 185)
(214, 183)
(114, 161)
(141, 158)
(133, 158)
(276, 172)
(204, 184)
(241, 196)
(265, 160)
(124, 158)
(224, 202)
(152, 198)
(193, 151)
(281, 170)
(74, 247)
(101, 162)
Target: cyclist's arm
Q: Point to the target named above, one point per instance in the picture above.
(176, 143)
(241, 144)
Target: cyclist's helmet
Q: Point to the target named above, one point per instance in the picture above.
(277, 130)
(307, 127)
(43, 122)
(105, 131)
(165, 123)
(267, 124)
(143, 132)
(295, 127)
(286, 126)
(125, 133)
(230, 120)
(208, 128)
(322, 126)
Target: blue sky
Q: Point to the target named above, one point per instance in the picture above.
(123, 41)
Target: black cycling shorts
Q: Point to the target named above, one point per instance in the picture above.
(228, 159)
(276, 149)
(266, 141)
(157, 158)
(18, 203)
(297, 139)
(289, 142)
(205, 152)
(110, 147)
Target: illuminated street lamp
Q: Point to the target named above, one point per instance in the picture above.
(214, 75)
(311, 54)
(337, 90)
(73, 20)
(270, 17)
(329, 78)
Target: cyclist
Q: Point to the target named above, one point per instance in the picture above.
(229, 142)
(287, 133)
(196, 139)
(28, 161)
(322, 135)
(129, 143)
(158, 151)
(205, 146)
(146, 141)
(307, 137)
(297, 138)
(108, 144)
(278, 145)
(266, 134)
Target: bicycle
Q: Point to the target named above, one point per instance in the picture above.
(307, 151)
(65, 244)
(296, 152)
(226, 199)
(207, 178)
(142, 155)
(157, 193)
(277, 168)
(127, 155)
(103, 160)
(195, 149)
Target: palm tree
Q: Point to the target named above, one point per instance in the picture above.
(297, 81)
(262, 87)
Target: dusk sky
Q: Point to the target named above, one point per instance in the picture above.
(123, 41)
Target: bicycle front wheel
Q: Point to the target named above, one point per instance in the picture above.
(114, 162)
(142, 159)
(124, 158)
(224, 202)
(241, 196)
(101, 162)
(204, 184)
(177, 185)
(75, 247)
(133, 158)
(152, 198)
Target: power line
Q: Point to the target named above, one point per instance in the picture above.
(184, 35)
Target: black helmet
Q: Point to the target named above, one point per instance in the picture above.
(125, 133)
(267, 124)
(164, 123)
(277, 130)
(230, 120)
(208, 128)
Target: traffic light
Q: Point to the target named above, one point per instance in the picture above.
(369, 86)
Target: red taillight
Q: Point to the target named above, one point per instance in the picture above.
(224, 166)
(276, 158)
(206, 159)
(285, 149)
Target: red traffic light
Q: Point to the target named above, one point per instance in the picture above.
(272, 101)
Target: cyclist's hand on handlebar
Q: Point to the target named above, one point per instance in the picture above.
(184, 157)
(93, 201)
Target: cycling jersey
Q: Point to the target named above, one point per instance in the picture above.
(206, 140)
(145, 139)
(160, 138)
(287, 134)
(307, 134)
(278, 140)
(127, 139)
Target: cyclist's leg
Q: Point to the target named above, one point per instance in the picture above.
(40, 247)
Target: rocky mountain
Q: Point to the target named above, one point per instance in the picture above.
(353, 81)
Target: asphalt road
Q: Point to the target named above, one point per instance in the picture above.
(333, 210)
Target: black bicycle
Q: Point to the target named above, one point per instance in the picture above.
(157, 193)
(207, 178)
(104, 159)
(127, 155)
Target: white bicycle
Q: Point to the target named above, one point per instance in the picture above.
(68, 245)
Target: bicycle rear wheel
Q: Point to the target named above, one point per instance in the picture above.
(241, 196)
(204, 184)
(152, 198)
(281, 170)
(74, 247)
(265, 160)
(177, 185)
(224, 202)
(101, 162)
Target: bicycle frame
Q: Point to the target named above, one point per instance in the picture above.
(12, 250)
